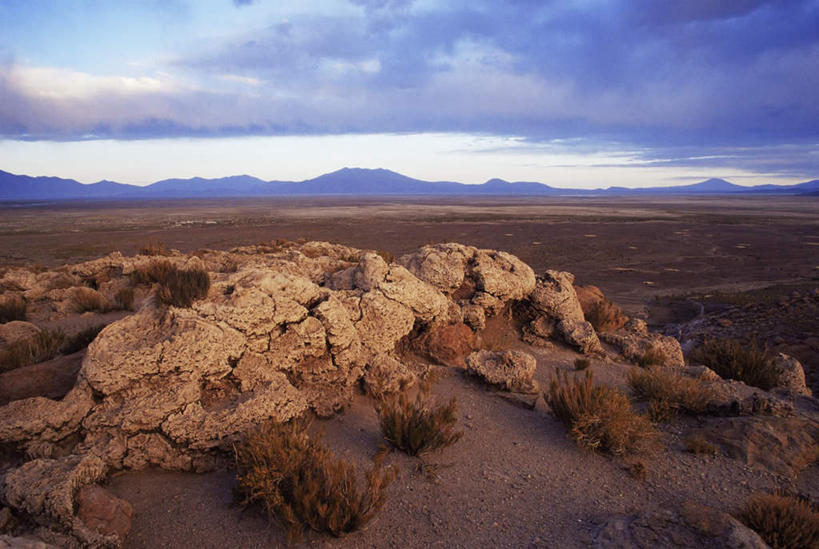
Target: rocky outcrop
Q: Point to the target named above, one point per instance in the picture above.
(554, 307)
(784, 445)
(638, 345)
(692, 526)
(285, 330)
(790, 376)
(509, 370)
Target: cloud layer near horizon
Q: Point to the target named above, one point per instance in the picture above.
(677, 79)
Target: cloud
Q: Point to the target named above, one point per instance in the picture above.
(687, 83)
(242, 3)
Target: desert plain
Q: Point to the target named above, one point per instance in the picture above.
(732, 267)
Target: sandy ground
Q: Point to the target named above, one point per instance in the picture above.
(514, 480)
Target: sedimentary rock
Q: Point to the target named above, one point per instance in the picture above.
(790, 376)
(634, 341)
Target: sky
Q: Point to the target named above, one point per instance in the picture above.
(585, 93)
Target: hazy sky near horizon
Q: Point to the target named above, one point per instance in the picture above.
(587, 93)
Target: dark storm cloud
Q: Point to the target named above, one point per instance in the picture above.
(660, 75)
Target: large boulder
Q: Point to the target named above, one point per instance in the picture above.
(446, 344)
(509, 370)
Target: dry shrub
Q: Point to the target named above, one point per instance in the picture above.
(153, 247)
(81, 340)
(177, 287)
(153, 272)
(669, 391)
(696, 444)
(653, 356)
(12, 309)
(731, 359)
(605, 316)
(181, 287)
(87, 299)
(124, 299)
(228, 265)
(386, 256)
(581, 363)
(43, 346)
(416, 427)
(300, 482)
(598, 417)
(783, 522)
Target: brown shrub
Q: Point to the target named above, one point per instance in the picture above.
(731, 359)
(43, 346)
(386, 256)
(87, 299)
(124, 299)
(669, 391)
(80, 340)
(783, 522)
(605, 316)
(653, 356)
(12, 309)
(181, 287)
(696, 444)
(598, 417)
(153, 272)
(581, 363)
(228, 265)
(300, 483)
(153, 247)
(416, 427)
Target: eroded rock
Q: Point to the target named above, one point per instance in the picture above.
(510, 370)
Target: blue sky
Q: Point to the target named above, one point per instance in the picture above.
(588, 93)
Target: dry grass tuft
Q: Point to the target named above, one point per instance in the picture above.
(605, 316)
(124, 299)
(669, 391)
(300, 482)
(153, 272)
(88, 299)
(653, 356)
(416, 427)
(182, 287)
(599, 417)
(696, 444)
(12, 309)
(43, 346)
(153, 247)
(177, 287)
(581, 363)
(386, 256)
(81, 340)
(783, 522)
(731, 359)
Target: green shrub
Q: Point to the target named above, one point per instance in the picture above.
(731, 359)
(416, 427)
(598, 417)
(783, 522)
(300, 483)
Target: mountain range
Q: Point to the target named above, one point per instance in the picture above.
(347, 181)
